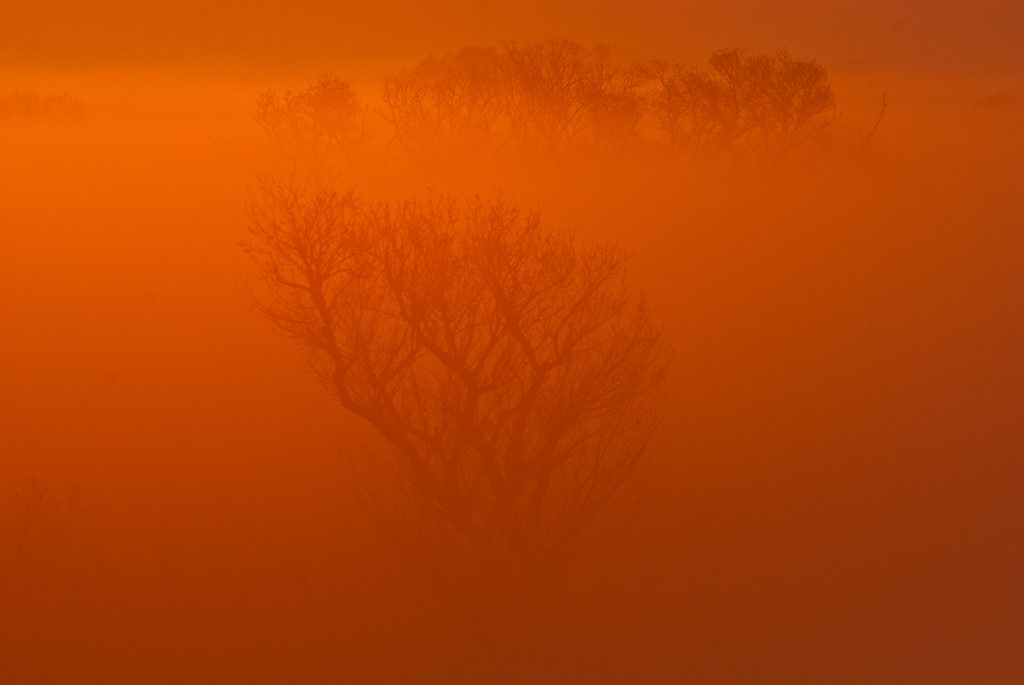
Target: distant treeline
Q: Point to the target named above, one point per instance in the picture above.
(25, 106)
(555, 97)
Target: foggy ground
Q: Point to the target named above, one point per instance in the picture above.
(841, 495)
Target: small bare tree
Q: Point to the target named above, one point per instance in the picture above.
(685, 107)
(312, 124)
(549, 89)
(447, 108)
(617, 101)
(798, 105)
(511, 372)
(747, 106)
(24, 106)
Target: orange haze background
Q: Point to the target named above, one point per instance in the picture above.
(842, 498)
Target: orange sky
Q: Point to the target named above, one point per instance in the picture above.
(950, 35)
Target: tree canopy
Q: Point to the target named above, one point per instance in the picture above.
(510, 370)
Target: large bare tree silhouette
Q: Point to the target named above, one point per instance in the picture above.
(513, 376)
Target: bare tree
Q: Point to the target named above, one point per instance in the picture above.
(527, 100)
(312, 124)
(798, 104)
(448, 108)
(747, 106)
(617, 101)
(549, 87)
(25, 106)
(509, 369)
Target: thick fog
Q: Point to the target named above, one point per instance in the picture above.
(836, 493)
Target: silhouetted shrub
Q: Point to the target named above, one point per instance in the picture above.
(24, 106)
(997, 100)
(48, 553)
